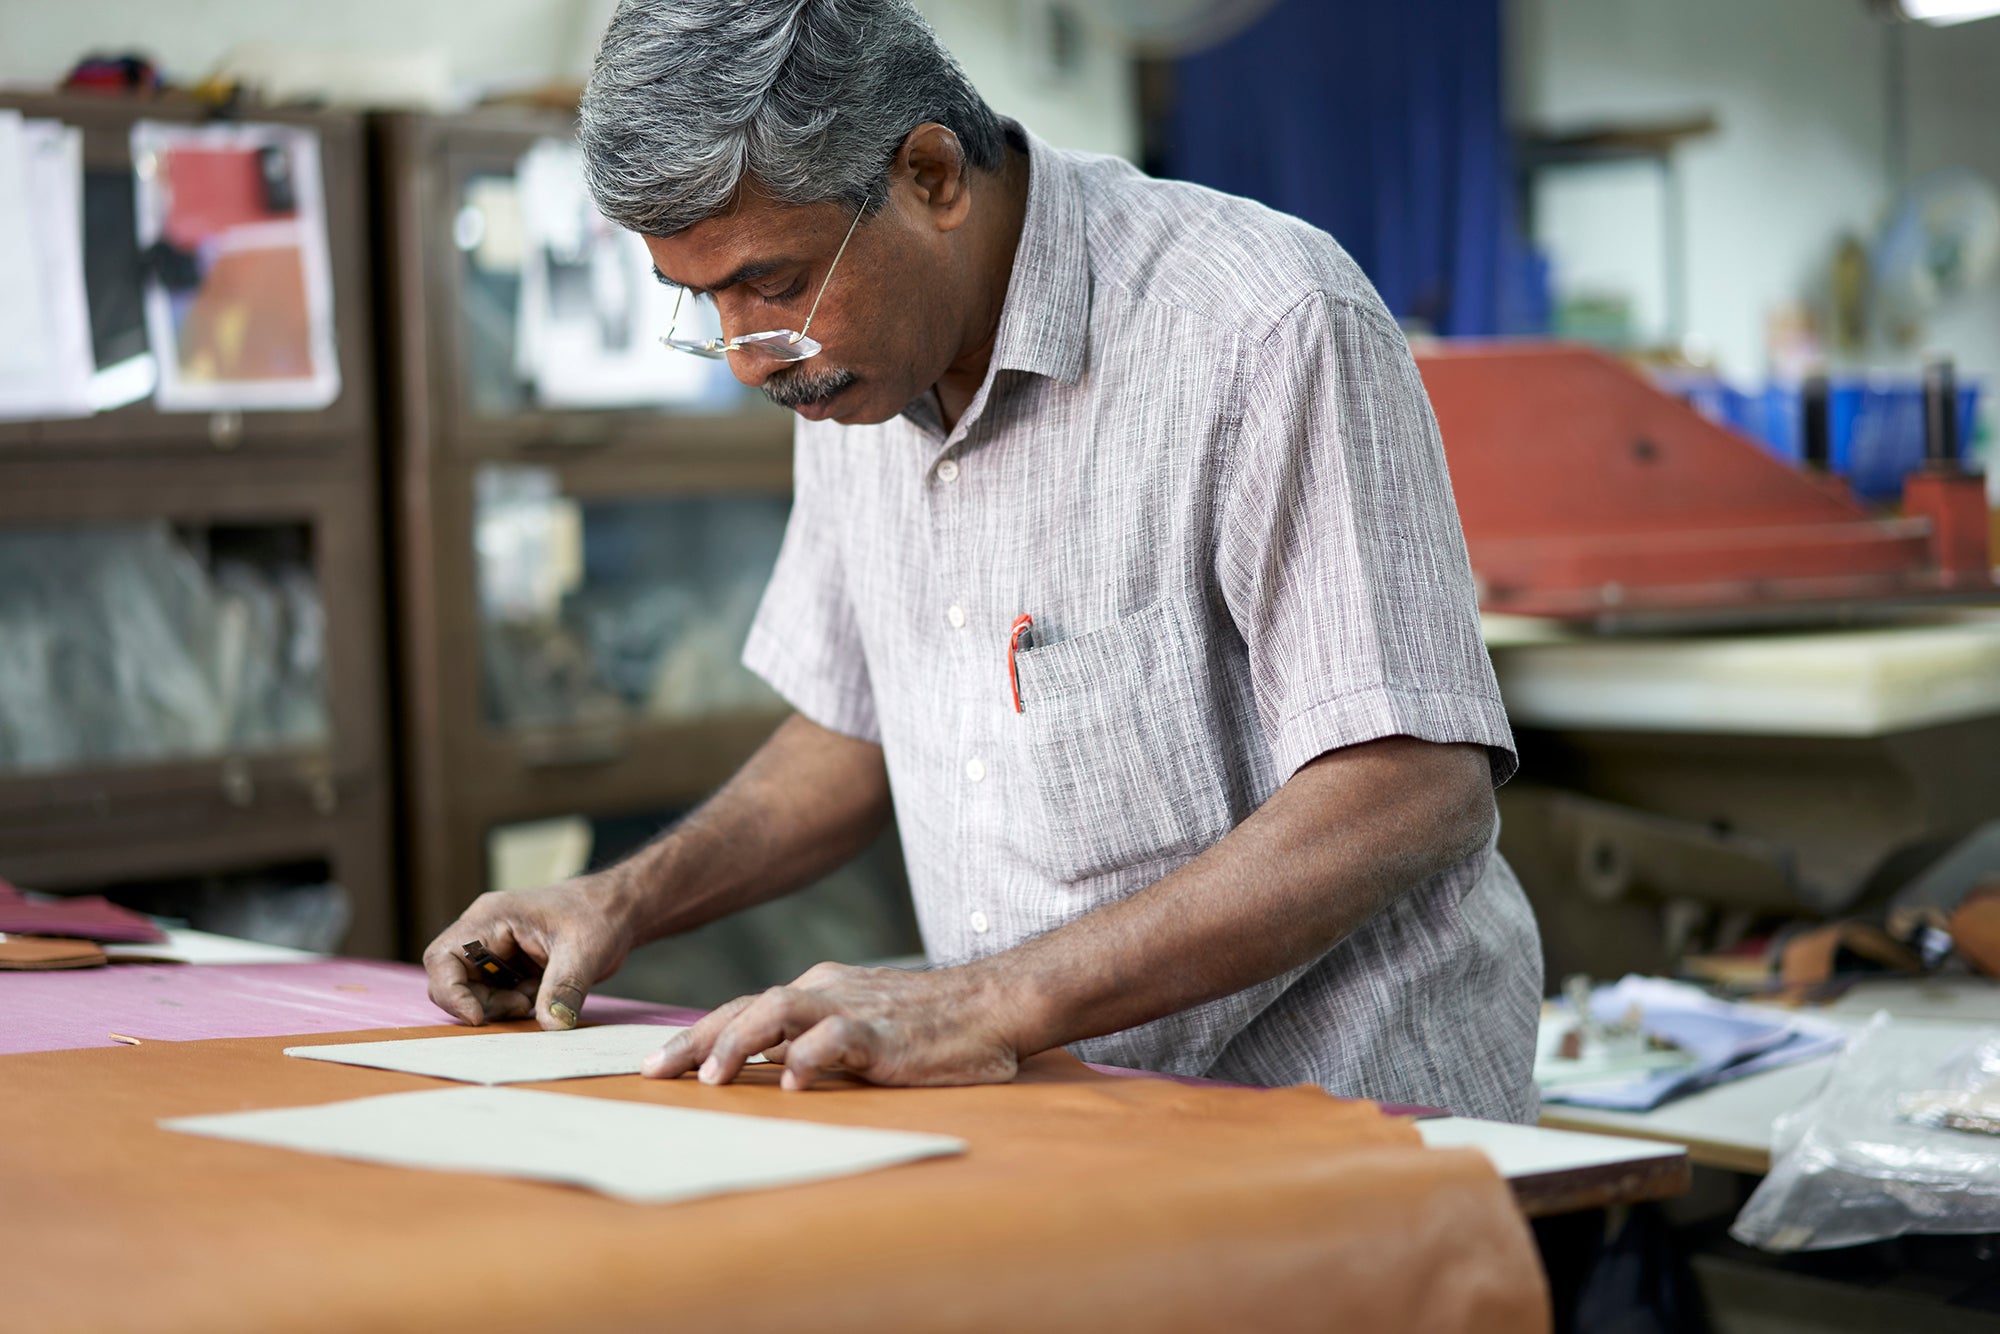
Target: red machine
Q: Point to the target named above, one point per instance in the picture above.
(1589, 494)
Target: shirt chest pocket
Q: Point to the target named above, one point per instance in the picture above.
(1124, 756)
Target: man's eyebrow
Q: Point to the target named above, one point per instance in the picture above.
(747, 273)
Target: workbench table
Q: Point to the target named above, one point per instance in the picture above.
(1917, 670)
(1730, 1126)
(1162, 1201)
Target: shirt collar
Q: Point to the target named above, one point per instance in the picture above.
(1045, 319)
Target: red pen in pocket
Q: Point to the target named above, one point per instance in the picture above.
(1024, 624)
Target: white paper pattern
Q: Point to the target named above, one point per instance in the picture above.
(639, 1152)
(508, 1058)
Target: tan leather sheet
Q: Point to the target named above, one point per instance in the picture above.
(1085, 1203)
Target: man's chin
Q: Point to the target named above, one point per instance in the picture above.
(817, 411)
(847, 408)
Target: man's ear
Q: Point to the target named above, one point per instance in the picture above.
(931, 163)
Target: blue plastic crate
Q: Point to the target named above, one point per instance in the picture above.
(1876, 424)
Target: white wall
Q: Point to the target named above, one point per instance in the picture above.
(1095, 106)
(512, 41)
(1955, 121)
(522, 42)
(1801, 155)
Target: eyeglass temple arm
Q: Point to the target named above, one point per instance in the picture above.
(674, 320)
(829, 272)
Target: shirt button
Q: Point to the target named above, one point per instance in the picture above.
(957, 617)
(975, 769)
(947, 471)
(979, 923)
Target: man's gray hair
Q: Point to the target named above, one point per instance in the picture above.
(810, 99)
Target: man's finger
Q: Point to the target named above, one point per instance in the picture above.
(690, 1047)
(835, 1045)
(451, 984)
(559, 1003)
(779, 1014)
(503, 1003)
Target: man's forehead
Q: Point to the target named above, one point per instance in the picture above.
(750, 240)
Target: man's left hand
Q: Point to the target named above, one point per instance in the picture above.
(884, 1025)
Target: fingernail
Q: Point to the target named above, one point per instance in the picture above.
(711, 1070)
(564, 1015)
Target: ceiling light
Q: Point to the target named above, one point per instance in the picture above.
(1943, 12)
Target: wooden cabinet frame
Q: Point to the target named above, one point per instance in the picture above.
(462, 776)
(84, 827)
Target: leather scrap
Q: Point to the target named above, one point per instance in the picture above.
(38, 953)
(1085, 1202)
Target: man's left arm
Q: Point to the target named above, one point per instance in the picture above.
(1348, 832)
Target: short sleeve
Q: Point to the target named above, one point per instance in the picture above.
(805, 641)
(1339, 552)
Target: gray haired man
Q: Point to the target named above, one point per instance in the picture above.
(1123, 570)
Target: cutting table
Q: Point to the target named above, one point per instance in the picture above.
(1088, 1196)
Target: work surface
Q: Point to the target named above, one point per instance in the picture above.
(1921, 670)
(1185, 1203)
(1083, 1197)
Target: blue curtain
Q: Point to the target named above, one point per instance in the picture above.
(1379, 121)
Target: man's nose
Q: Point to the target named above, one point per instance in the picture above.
(750, 366)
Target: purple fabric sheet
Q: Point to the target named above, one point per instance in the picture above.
(180, 1002)
(59, 1011)
(80, 917)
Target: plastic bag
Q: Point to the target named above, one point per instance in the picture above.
(1852, 1165)
(120, 642)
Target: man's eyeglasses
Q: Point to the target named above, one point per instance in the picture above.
(776, 344)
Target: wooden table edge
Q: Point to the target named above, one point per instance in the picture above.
(1700, 1152)
(1571, 1190)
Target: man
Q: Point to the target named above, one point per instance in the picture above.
(1123, 567)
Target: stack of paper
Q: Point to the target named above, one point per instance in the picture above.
(1717, 1041)
(46, 364)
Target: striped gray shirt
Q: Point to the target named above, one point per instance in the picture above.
(1204, 462)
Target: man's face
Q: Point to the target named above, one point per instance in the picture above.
(885, 323)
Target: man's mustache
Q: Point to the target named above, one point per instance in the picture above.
(795, 389)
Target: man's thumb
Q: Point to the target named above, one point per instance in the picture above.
(559, 1004)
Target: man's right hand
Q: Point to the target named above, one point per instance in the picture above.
(576, 932)
(807, 802)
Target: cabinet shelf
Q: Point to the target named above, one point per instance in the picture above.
(97, 822)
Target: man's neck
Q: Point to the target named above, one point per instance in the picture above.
(993, 261)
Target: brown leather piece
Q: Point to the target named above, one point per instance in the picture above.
(35, 953)
(1812, 957)
(1084, 1203)
(1975, 928)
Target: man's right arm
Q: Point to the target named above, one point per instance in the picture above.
(806, 803)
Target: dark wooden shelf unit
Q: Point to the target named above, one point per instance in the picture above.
(98, 825)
